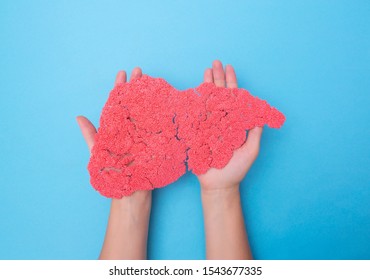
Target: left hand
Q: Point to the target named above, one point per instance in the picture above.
(233, 173)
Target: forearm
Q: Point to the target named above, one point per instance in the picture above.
(226, 236)
(127, 230)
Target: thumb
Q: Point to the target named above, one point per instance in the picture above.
(252, 144)
(88, 130)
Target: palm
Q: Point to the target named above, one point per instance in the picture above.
(242, 159)
(234, 172)
(87, 128)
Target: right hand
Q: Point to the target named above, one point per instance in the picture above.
(88, 130)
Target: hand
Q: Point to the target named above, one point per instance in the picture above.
(87, 128)
(233, 173)
(226, 236)
(127, 231)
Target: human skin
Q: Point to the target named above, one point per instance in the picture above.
(127, 231)
(226, 235)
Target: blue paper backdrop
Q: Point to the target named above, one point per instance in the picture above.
(306, 197)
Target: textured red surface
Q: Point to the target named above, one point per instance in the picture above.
(149, 130)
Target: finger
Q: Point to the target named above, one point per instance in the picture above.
(252, 145)
(88, 130)
(208, 75)
(230, 77)
(135, 74)
(120, 78)
(218, 73)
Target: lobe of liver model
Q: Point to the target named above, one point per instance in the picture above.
(150, 130)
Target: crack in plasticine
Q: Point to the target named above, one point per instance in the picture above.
(150, 182)
(118, 170)
(176, 127)
(187, 158)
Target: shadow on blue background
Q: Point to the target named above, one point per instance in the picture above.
(306, 197)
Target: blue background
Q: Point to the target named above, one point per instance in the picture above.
(307, 195)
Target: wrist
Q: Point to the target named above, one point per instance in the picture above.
(220, 196)
(138, 202)
(127, 229)
(219, 190)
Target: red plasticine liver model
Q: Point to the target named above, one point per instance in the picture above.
(149, 130)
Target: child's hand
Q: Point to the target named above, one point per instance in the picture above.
(233, 173)
(127, 230)
(87, 128)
